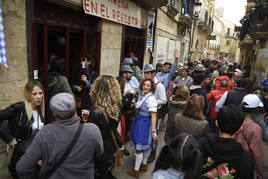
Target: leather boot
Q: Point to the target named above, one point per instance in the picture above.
(163, 128)
(151, 157)
(143, 167)
(133, 173)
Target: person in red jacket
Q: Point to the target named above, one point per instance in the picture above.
(218, 80)
(214, 96)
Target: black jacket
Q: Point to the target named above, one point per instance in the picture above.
(227, 153)
(200, 91)
(235, 96)
(105, 162)
(19, 126)
(75, 80)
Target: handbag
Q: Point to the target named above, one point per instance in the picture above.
(47, 170)
(118, 162)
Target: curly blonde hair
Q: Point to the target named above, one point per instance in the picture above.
(105, 94)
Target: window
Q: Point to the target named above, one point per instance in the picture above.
(228, 32)
(196, 44)
(227, 43)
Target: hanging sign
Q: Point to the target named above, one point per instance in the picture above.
(121, 11)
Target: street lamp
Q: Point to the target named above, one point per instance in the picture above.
(197, 8)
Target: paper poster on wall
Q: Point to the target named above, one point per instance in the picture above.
(161, 51)
(261, 70)
(150, 30)
(171, 51)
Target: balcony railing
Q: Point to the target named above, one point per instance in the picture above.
(173, 8)
(255, 23)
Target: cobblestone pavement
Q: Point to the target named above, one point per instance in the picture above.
(129, 161)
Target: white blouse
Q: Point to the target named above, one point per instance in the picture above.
(150, 102)
(37, 124)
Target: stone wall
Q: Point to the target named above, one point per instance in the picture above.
(110, 48)
(13, 78)
(165, 27)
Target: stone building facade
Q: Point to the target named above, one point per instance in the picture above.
(173, 27)
(13, 78)
(214, 45)
(229, 41)
(202, 31)
(253, 40)
(27, 23)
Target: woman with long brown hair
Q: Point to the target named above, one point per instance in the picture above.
(106, 99)
(24, 118)
(191, 120)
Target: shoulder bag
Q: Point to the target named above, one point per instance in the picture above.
(118, 162)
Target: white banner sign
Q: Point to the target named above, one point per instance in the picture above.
(121, 11)
(161, 51)
(171, 51)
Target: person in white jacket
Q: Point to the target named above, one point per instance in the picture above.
(160, 95)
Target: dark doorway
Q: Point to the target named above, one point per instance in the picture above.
(69, 34)
(134, 41)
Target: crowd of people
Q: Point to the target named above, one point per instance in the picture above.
(213, 117)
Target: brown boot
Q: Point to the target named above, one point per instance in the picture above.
(163, 128)
(133, 173)
(151, 157)
(143, 167)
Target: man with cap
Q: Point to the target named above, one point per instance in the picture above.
(183, 79)
(133, 63)
(236, 76)
(160, 95)
(131, 81)
(50, 144)
(250, 133)
(130, 84)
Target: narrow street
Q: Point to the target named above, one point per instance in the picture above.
(67, 62)
(129, 161)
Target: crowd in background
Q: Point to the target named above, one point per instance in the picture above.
(213, 115)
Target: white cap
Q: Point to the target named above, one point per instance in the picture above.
(252, 101)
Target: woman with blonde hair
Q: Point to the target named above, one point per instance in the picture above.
(143, 129)
(191, 120)
(106, 99)
(24, 118)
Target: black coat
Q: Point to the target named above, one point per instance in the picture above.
(76, 81)
(227, 153)
(105, 162)
(235, 96)
(19, 126)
